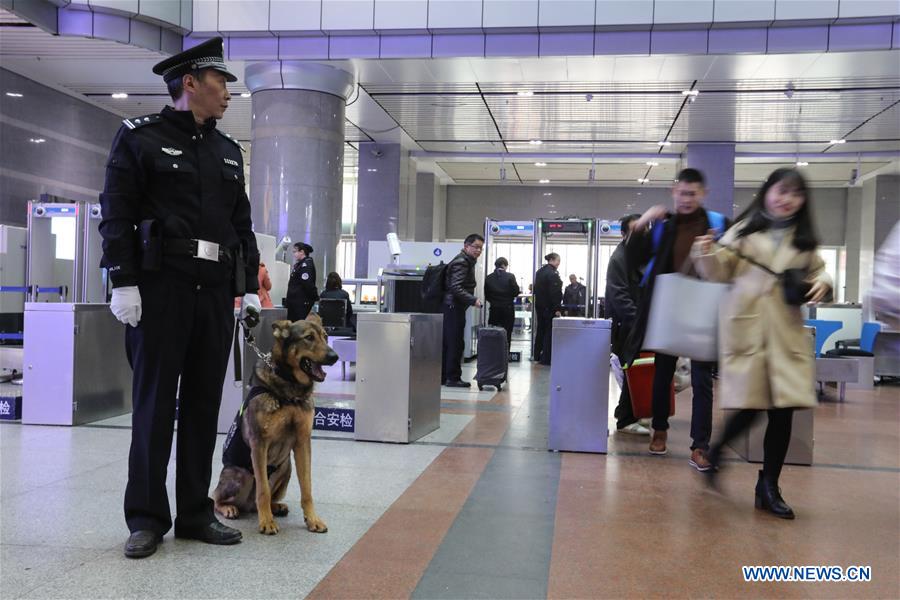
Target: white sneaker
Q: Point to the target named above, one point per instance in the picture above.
(635, 429)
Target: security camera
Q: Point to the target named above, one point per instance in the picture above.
(789, 92)
(40, 211)
(376, 152)
(495, 228)
(588, 97)
(605, 227)
(95, 211)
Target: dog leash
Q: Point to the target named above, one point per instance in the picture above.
(247, 324)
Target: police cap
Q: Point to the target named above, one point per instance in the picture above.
(208, 55)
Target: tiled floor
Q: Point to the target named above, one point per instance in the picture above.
(477, 509)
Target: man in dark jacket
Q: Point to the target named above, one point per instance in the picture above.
(500, 290)
(459, 283)
(547, 304)
(622, 289)
(575, 297)
(672, 255)
(302, 292)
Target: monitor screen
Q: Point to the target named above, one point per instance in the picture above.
(369, 294)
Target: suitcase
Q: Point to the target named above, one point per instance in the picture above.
(493, 357)
(639, 378)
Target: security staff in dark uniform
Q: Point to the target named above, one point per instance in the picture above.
(547, 301)
(302, 293)
(501, 290)
(179, 246)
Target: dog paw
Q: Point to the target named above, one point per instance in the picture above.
(268, 526)
(280, 509)
(228, 511)
(315, 524)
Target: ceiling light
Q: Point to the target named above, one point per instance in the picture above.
(246, 94)
(14, 94)
(663, 143)
(650, 163)
(535, 142)
(838, 141)
(801, 163)
(690, 92)
(544, 181)
(37, 140)
(525, 93)
(548, 193)
(643, 180)
(120, 95)
(540, 164)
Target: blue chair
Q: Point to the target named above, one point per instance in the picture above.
(862, 346)
(824, 329)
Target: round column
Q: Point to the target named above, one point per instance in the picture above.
(297, 154)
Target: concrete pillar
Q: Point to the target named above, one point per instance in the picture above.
(439, 227)
(716, 162)
(426, 188)
(385, 198)
(297, 153)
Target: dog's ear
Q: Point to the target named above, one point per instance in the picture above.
(314, 318)
(281, 329)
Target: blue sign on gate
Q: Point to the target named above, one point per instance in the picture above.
(334, 419)
(438, 252)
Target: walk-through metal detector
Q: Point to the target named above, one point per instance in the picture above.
(503, 231)
(576, 231)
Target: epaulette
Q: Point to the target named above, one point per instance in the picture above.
(141, 121)
(230, 139)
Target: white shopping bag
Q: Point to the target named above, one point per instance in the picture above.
(684, 317)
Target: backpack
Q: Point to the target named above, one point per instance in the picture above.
(433, 283)
(716, 222)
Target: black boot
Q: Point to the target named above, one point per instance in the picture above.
(768, 497)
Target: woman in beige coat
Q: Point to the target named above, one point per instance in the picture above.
(767, 358)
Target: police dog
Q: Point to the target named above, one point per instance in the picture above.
(276, 419)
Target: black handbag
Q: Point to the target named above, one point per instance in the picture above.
(795, 283)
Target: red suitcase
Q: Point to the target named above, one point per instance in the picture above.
(639, 379)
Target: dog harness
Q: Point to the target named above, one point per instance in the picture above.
(236, 452)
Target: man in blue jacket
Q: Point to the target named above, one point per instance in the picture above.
(668, 251)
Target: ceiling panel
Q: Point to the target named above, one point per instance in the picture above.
(462, 146)
(441, 118)
(817, 172)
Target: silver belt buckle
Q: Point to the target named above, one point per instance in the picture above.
(207, 251)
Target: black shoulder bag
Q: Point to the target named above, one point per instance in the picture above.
(794, 282)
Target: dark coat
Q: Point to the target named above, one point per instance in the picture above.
(190, 180)
(639, 251)
(302, 284)
(575, 294)
(459, 281)
(622, 292)
(547, 288)
(501, 288)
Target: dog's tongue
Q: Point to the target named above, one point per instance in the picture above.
(318, 372)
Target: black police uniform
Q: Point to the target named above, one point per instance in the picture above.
(302, 292)
(500, 290)
(169, 177)
(547, 300)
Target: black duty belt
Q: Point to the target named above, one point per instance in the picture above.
(200, 249)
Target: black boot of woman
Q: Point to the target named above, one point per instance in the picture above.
(768, 497)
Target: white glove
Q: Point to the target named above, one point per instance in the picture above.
(250, 302)
(126, 305)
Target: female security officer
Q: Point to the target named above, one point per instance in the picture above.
(302, 292)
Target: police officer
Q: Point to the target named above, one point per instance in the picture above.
(501, 290)
(179, 246)
(302, 292)
(547, 301)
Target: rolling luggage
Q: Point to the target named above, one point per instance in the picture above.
(493, 357)
(639, 378)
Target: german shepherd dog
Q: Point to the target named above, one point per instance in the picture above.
(276, 419)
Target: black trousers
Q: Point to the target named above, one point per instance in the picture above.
(453, 342)
(624, 412)
(505, 317)
(298, 309)
(543, 335)
(775, 443)
(185, 331)
(702, 388)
